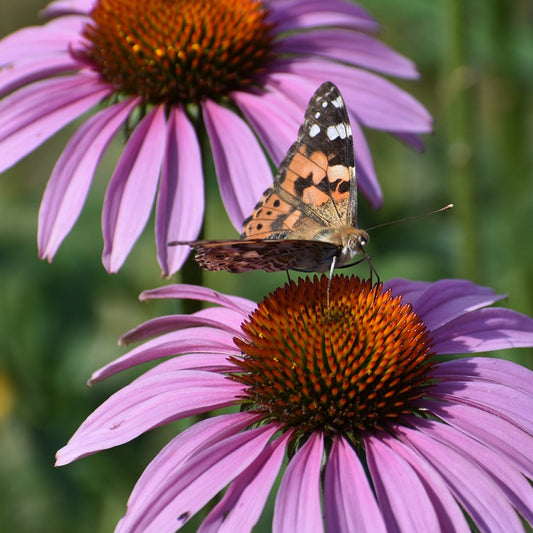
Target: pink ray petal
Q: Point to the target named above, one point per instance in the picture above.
(194, 340)
(187, 490)
(484, 502)
(349, 502)
(180, 202)
(33, 114)
(243, 172)
(297, 506)
(64, 7)
(196, 292)
(352, 48)
(71, 178)
(244, 501)
(132, 189)
(148, 402)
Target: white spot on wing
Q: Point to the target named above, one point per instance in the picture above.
(337, 131)
(314, 130)
(338, 103)
(317, 114)
(324, 104)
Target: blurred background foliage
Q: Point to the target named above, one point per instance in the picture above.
(59, 322)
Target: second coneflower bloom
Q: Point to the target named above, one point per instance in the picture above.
(380, 435)
(240, 70)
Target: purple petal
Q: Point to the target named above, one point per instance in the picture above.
(195, 340)
(290, 16)
(146, 403)
(448, 299)
(507, 402)
(242, 170)
(509, 480)
(208, 361)
(33, 114)
(297, 506)
(487, 369)
(349, 502)
(131, 192)
(411, 139)
(29, 71)
(195, 292)
(484, 330)
(180, 202)
(64, 7)
(449, 513)
(71, 178)
(241, 506)
(375, 101)
(503, 436)
(402, 497)
(180, 449)
(410, 291)
(472, 487)
(223, 319)
(274, 117)
(349, 47)
(57, 36)
(186, 490)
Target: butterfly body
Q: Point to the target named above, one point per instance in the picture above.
(307, 219)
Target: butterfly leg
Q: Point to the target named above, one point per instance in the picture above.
(288, 276)
(371, 265)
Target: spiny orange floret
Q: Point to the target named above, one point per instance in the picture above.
(351, 367)
(179, 50)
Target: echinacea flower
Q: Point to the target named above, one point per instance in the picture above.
(386, 435)
(167, 71)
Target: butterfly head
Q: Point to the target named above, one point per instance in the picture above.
(352, 240)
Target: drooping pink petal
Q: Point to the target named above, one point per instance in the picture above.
(55, 36)
(180, 449)
(243, 172)
(349, 47)
(349, 502)
(180, 201)
(447, 299)
(484, 502)
(410, 291)
(33, 114)
(297, 506)
(64, 7)
(131, 191)
(498, 398)
(290, 16)
(484, 330)
(503, 436)
(28, 71)
(189, 488)
(215, 317)
(376, 102)
(193, 340)
(274, 118)
(71, 178)
(149, 401)
(402, 496)
(448, 512)
(241, 506)
(509, 480)
(486, 369)
(196, 292)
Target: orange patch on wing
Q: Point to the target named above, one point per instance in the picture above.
(335, 173)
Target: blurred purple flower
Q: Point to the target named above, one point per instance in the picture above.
(213, 62)
(407, 443)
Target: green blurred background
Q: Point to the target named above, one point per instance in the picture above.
(59, 322)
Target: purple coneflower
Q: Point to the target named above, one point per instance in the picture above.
(242, 68)
(386, 435)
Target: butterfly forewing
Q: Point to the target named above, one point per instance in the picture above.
(305, 218)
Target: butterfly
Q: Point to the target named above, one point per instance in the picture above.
(307, 219)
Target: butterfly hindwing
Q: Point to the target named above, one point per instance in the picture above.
(269, 255)
(316, 180)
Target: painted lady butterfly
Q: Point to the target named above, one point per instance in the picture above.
(307, 220)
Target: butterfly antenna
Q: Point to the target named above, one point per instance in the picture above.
(408, 219)
(371, 265)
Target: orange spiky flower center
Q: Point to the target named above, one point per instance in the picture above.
(179, 50)
(357, 365)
